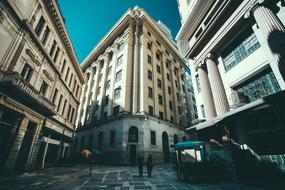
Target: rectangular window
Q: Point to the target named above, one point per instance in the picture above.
(118, 75)
(161, 115)
(59, 103)
(171, 119)
(167, 64)
(106, 100)
(203, 110)
(45, 35)
(77, 90)
(40, 26)
(112, 137)
(120, 60)
(54, 96)
(43, 89)
(159, 83)
(149, 60)
(26, 73)
(158, 43)
(160, 101)
(170, 105)
(179, 110)
(69, 112)
(152, 138)
(56, 54)
(150, 110)
(74, 85)
(149, 45)
(70, 80)
(168, 76)
(149, 75)
(116, 110)
(52, 49)
(150, 93)
(63, 108)
(177, 96)
(157, 56)
(117, 93)
(108, 84)
(169, 90)
(67, 74)
(63, 66)
(158, 69)
(121, 46)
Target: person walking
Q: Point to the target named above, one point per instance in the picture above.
(140, 161)
(149, 165)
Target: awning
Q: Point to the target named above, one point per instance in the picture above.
(188, 144)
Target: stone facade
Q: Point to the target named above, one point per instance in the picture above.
(40, 84)
(135, 70)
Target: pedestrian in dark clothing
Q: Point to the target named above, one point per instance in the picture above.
(140, 165)
(149, 165)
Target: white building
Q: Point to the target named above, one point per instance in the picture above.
(135, 100)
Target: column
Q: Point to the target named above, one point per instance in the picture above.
(135, 69)
(216, 83)
(206, 94)
(274, 31)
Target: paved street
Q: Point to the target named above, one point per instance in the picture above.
(108, 178)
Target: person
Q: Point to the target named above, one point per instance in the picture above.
(140, 165)
(149, 165)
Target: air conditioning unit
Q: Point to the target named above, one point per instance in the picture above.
(239, 99)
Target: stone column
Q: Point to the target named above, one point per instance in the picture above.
(135, 69)
(209, 106)
(274, 31)
(216, 83)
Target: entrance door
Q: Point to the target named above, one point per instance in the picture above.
(25, 149)
(165, 147)
(133, 154)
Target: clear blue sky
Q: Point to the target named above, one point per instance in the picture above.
(87, 21)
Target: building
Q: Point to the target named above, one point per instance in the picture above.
(40, 85)
(135, 99)
(235, 51)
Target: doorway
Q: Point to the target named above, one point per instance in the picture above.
(133, 154)
(165, 147)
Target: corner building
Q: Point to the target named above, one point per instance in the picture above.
(40, 85)
(135, 98)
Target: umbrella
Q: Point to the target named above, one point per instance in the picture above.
(96, 152)
(86, 153)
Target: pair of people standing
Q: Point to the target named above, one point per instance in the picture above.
(149, 165)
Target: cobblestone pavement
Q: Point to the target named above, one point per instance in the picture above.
(108, 178)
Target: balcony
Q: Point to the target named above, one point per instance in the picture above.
(12, 84)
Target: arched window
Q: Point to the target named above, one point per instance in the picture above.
(133, 134)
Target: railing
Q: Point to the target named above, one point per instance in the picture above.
(26, 87)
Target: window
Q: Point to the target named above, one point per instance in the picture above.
(149, 45)
(160, 100)
(40, 26)
(52, 48)
(150, 93)
(168, 76)
(117, 93)
(157, 56)
(159, 85)
(67, 73)
(63, 66)
(116, 110)
(149, 60)
(158, 68)
(72, 115)
(63, 108)
(70, 80)
(148, 33)
(56, 54)
(169, 90)
(176, 83)
(69, 112)
(170, 105)
(26, 73)
(106, 100)
(171, 119)
(161, 115)
(120, 60)
(198, 83)
(118, 75)
(158, 43)
(98, 92)
(77, 90)
(43, 89)
(54, 96)
(59, 103)
(108, 84)
(152, 138)
(112, 137)
(121, 46)
(109, 70)
(149, 75)
(167, 64)
(45, 35)
(150, 110)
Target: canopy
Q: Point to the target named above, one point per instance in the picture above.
(188, 144)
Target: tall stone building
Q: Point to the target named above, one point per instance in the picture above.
(235, 49)
(135, 99)
(40, 85)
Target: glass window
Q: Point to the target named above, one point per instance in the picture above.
(168, 77)
(150, 93)
(120, 60)
(108, 84)
(40, 26)
(52, 49)
(152, 138)
(149, 75)
(116, 110)
(160, 100)
(170, 105)
(161, 115)
(149, 60)
(157, 56)
(150, 110)
(45, 35)
(121, 46)
(159, 83)
(158, 68)
(169, 90)
(26, 73)
(117, 93)
(44, 87)
(118, 75)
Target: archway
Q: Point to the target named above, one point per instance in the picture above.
(165, 147)
(133, 138)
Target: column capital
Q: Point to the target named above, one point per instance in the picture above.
(210, 55)
(201, 65)
(257, 3)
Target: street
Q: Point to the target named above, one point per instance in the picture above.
(108, 178)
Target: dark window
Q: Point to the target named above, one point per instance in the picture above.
(112, 137)
(148, 33)
(160, 100)
(157, 56)
(150, 93)
(159, 85)
(168, 77)
(167, 64)
(158, 43)
(160, 115)
(43, 89)
(133, 134)
(152, 138)
(117, 93)
(169, 90)
(177, 96)
(106, 100)
(63, 66)
(72, 115)
(149, 60)
(105, 115)
(27, 72)
(158, 68)
(116, 110)
(170, 105)
(54, 96)
(59, 103)
(40, 26)
(56, 54)
(69, 112)
(63, 109)
(46, 35)
(179, 110)
(67, 74)
(149, 45)
(149, 75)
(77, 89)
(108, 84)
(150, 110)
(171, 119)
(52, 48)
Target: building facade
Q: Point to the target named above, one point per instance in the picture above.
(40, 85)
(235, 51)
(135, 99)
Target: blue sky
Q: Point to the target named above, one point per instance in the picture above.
(87, 21)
